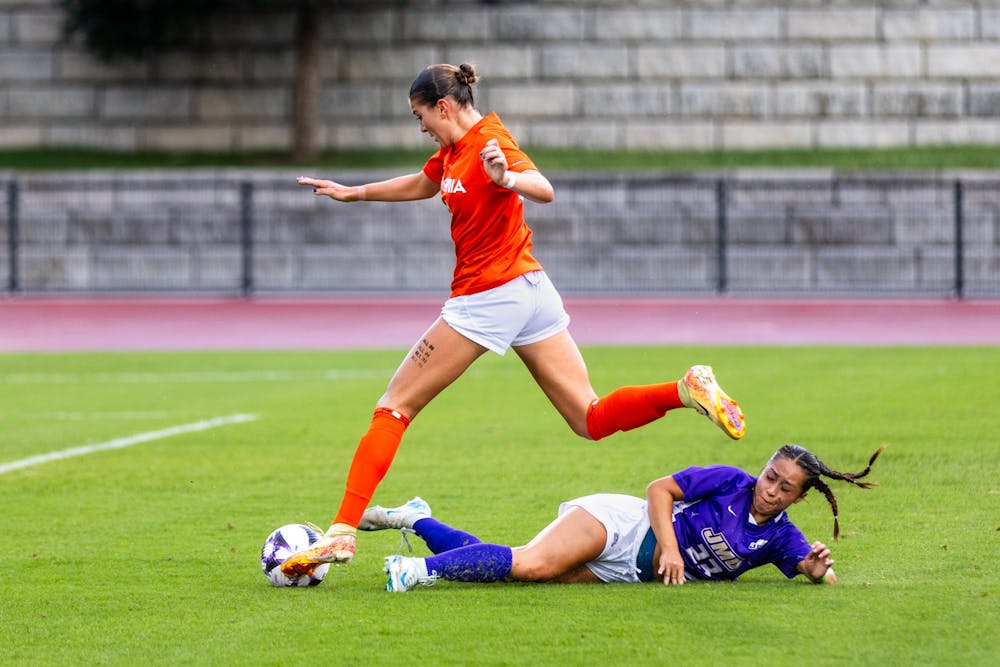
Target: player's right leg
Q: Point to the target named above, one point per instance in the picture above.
(438, 359)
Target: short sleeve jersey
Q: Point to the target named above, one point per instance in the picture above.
(718, 538)
(492, 240)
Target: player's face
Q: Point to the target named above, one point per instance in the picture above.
(780, 484)
(431, 122)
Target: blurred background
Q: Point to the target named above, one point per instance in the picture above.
(767, 147)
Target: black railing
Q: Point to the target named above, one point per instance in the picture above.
(246, 238)
(246, 233)
(13, 236)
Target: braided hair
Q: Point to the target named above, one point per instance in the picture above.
(816, 470)
(439, 81)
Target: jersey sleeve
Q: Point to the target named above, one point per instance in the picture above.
(790, 550)
(434, 167)
(701, 482)
(517, 160)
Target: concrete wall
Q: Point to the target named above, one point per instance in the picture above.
(721, 74)
(783, 232)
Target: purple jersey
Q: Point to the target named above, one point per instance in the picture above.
(717, 537)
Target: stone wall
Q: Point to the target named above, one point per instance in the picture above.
(722, 74)
(816, 233)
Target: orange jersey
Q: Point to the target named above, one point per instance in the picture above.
(492, 241)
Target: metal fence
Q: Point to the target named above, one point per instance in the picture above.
(253, 233)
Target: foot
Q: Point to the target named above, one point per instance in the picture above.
(699, 390)
(405, 573)
(404, 516)
(336, 546)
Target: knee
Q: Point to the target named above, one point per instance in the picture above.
(526, 567)
(582, 431)
(580, 423)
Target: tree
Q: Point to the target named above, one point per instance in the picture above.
(115, 29)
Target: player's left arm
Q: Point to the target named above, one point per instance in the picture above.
(817, 565)
(530, 184)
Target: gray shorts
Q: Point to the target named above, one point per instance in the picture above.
(524, 310)
(627, 522)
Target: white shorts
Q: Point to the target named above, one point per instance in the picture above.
(524, 310)
(627, 523)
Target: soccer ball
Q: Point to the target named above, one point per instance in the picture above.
(281, 544)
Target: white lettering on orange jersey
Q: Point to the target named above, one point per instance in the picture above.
(452, 185)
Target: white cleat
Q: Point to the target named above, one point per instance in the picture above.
(399, 518)
(405, 574)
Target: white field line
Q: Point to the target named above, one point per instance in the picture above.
(116, 415)
(127, 441)
(191, 377)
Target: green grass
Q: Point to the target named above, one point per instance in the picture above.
(149, 554)
(941, 157)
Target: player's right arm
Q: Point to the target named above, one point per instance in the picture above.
(402, 188)
(661, 494)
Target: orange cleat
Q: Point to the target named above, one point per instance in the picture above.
(699, 390)
(337, 545)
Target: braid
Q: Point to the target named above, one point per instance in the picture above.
(816, 470)
(825, 489)
(852, 477)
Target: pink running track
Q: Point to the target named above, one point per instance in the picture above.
(65, 324)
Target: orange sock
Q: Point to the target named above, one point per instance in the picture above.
(371, 461)
(631, 407)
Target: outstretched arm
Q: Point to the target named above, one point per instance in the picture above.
(402, 188)
(816, 565)
(661, 495)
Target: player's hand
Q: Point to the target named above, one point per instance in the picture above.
(332, 189)
(671, 568)
(494, 161)
(817, 561)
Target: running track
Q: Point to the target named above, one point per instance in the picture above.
(77, 324)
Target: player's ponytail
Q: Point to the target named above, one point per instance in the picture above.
(815, 470)
(439, 81)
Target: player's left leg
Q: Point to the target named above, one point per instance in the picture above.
(403, 517)
(560, 371)
(557, 553)
(559, 368)
(574, 538)
(415, 516)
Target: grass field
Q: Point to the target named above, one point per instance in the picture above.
(148, 554)
(548, 159)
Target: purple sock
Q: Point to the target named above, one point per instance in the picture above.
(476, 562)
(442, 537)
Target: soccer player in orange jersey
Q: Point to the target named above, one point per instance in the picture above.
(500, 299)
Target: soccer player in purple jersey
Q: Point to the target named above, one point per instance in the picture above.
(711, 523)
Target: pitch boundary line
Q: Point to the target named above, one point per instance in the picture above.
(127, 441)
(178, 377)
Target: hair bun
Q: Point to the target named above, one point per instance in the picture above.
(467, 74)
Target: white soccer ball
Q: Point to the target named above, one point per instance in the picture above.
(281, 544)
